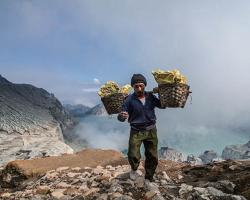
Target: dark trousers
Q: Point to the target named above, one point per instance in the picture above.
(150, 141)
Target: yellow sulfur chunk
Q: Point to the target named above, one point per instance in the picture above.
(174, 76)
(110, 87)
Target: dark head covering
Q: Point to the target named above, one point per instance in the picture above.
(138, 78)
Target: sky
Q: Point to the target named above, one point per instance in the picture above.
(71, 48)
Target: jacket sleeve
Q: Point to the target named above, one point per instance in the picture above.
(157, 102)
(124, 109)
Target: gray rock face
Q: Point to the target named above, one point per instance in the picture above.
(31, 122)
(194, 160)
(208, 156)
(171, 154)
(223, 185)
(193, 193)
(236, 152)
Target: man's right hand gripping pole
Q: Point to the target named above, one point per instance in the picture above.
(122, 116)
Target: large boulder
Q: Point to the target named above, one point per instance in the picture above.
(235, 152)
(208, 156)
(171, 154)
(193, 160)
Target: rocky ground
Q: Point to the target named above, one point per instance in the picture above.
(109, 180)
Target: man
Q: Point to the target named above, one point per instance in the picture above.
(138, 108)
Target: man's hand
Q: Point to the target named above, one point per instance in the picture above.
(123, 115)
(156, 90)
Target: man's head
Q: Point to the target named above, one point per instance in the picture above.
(138, 82)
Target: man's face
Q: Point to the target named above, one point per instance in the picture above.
(139, 89)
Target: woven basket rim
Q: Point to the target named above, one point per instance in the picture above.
(114, 94)
(171, 84)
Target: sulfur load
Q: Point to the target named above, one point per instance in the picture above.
(173, 76)
(111, 87)
(125, 89)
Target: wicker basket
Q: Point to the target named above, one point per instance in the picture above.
(113, 103)
(173, 95)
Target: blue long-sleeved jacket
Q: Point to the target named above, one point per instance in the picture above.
(140, 116)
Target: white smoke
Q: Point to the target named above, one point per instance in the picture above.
(108, 133)
(103, 132)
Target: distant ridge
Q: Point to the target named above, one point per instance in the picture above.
(97, 110)
(3, 80)
(78, 110)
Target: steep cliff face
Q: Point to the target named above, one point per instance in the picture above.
(31, 122)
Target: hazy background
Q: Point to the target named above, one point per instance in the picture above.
(70, 48)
